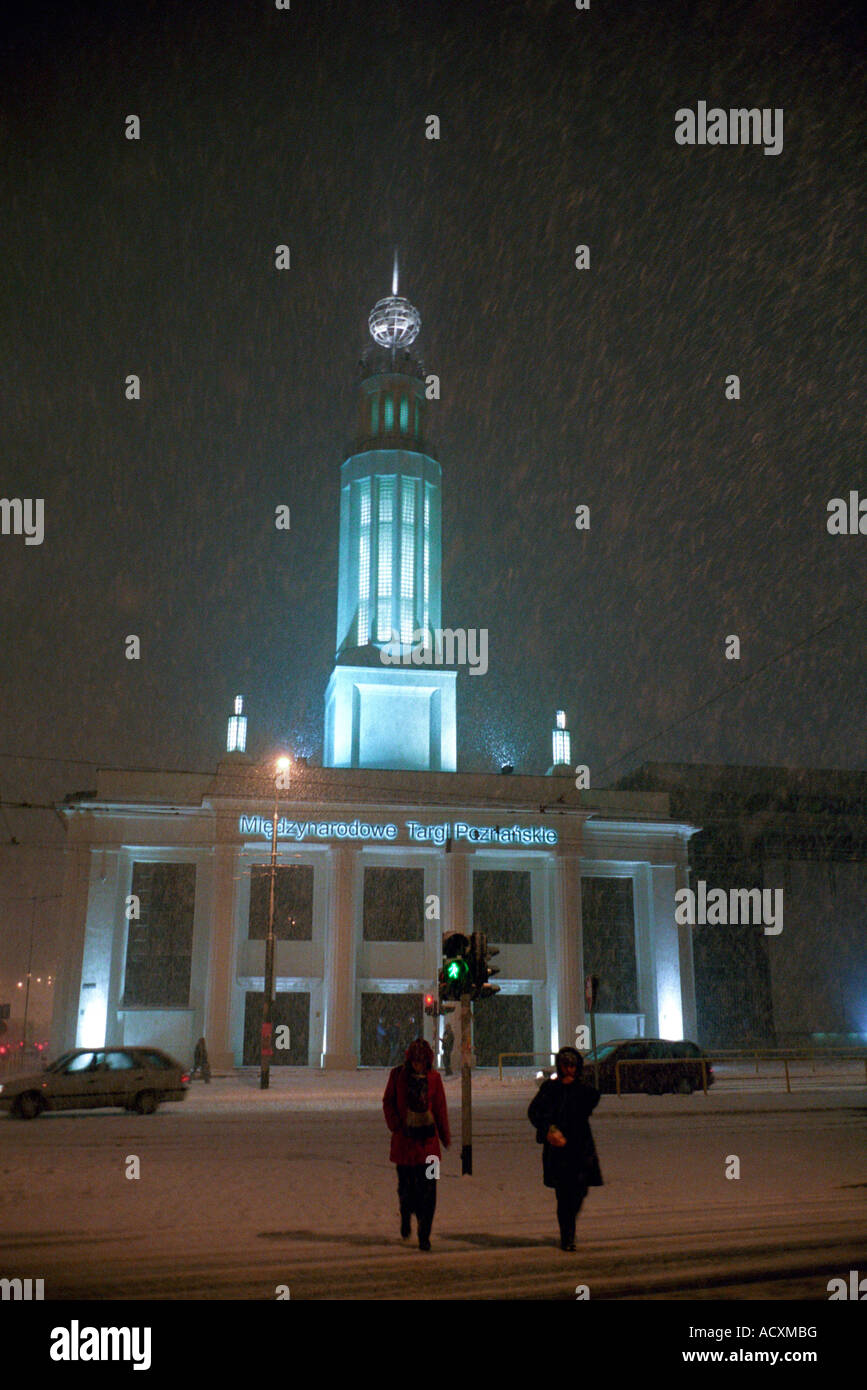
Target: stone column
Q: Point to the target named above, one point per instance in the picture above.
(566, 967)
(340, 963)
(222, 967)
(685, 956)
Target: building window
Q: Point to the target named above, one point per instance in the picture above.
(503, 1023)
(160, 940)
(416, 419)
(501, 905)
(404, 415)
(608, 930)
(394, 905)
(389, 1023)
(290, 1011)
(388, 422)
(374, 414)
(293, 902)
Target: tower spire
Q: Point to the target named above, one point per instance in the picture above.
(394, 274)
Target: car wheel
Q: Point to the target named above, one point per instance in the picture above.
(29, 1105)
(685, 1086)
(146, 1103)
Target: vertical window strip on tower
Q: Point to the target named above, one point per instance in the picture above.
(404, 415)
(407, 558)
(388, 422)
(426, 559)
(385, 553)
(374, 414)
(364, 562)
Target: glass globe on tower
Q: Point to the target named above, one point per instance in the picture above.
(394, 322)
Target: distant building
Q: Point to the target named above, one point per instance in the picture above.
(800, 830)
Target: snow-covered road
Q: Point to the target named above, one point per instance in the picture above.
(242, 1191)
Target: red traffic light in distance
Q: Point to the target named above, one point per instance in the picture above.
(430, 1005)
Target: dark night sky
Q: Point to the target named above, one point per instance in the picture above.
(708, 517)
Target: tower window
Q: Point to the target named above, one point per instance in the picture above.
(374, 414)
(364, 563)
(416, 419)
(426, 558)
(407, 558)
(385, 551)
(388, 422)
(404, 415)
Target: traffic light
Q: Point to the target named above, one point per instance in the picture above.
(430, 1005)
(456, 978)
(480, 954)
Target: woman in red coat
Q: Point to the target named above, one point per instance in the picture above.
(415, 1111)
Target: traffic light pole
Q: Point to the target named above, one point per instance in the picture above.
(466, 1087)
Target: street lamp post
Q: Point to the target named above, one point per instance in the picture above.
(281, 780)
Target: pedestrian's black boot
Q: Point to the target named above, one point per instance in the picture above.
(423, 1244)
(405, 1226)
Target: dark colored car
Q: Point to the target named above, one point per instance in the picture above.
(656, 1065)
(136, 1078)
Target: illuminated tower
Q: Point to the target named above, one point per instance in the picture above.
(562, 743)
(382, 709)
(561, 746)
(236, 738)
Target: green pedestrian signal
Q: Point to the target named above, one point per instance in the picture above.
(456, 973)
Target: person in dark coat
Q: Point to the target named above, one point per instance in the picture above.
(382, 1047)
(200, 1061)
(414, 1105)
(448, 1047)
(560, 1113)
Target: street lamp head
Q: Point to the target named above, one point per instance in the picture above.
(282, 764)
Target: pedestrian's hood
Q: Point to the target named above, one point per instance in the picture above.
(420, 1050)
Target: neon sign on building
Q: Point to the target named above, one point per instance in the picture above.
(417, 832)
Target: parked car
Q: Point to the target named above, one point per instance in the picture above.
(137, 1078)
(664, 1066)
